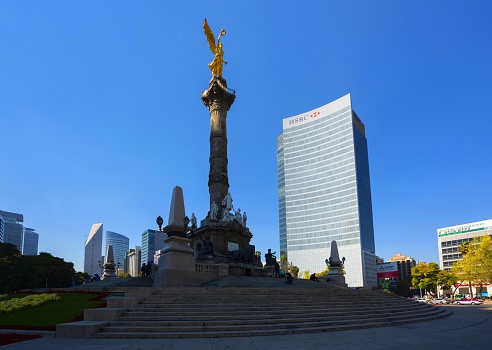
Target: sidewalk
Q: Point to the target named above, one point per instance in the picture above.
(467, 328)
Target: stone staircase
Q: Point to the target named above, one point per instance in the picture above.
(236, 311)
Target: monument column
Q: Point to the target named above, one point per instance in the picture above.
(218, 98)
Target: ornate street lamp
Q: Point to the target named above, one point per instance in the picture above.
(159, 222)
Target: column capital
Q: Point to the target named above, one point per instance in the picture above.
(218, 94)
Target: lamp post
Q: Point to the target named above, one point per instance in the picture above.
(159, 221)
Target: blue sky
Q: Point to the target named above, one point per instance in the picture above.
(101, 116)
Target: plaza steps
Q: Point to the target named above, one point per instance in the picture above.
(230, 312)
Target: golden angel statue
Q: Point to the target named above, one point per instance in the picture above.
(217, 64)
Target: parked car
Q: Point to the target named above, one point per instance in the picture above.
(468, 301)
(439, 301)
(421, 300)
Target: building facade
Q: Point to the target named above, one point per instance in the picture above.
(2, 226)
(152, 240)
(133, 258)
(450, 238)
(324, 191)
(121, 245)
(404, 264)
(93, 248)
(31, 241)
(13, 230)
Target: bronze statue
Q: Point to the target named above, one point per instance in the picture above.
(217, 64)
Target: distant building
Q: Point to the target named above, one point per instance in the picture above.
(2, 226)
(120, 244)
(93, 248)
(324, 191)
(450, 238)
(405, 264)
(31, 240)
(132, 266)
(13, 228)
(152, 240)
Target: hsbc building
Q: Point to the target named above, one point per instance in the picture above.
(324, 191)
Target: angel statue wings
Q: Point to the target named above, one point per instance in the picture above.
(217, 64)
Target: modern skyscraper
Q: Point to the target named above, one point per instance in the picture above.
(93, 248)
(31, 239)
(120, 244)
(324, 191)
(2, 227)
(13, 228)
(152, 240)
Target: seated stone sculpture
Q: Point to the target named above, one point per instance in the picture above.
(270, 257)
(207, 246)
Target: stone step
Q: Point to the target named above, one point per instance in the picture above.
(266, 313)
(261, 332)
(159, 321)
(241, 308)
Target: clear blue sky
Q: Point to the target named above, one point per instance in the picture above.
(101, 116)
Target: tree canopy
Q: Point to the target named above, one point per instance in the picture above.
(32, 271)
(476, 266)
(425, 276)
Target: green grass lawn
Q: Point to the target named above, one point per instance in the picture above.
(70, 306)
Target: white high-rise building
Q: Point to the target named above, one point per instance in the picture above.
(93, 249)
(324, 192)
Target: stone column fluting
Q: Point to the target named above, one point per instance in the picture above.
(218, 98)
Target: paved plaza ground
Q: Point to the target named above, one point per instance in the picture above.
(469, 327)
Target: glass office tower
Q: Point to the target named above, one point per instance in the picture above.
(121, 245)
(31, 241)
(324, 192)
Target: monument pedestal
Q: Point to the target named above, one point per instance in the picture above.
(176, 264)
(335, 275)
(269, 270)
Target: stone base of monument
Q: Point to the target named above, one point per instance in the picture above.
(108, 273)
(176, 264)
(337, 278)
(231, 246)
(206, 259)
(269, 270)
(238, 269)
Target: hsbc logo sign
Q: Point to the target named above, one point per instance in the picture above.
(303, 118)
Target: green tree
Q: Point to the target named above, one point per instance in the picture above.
(306, 275)
(293, 269)
(283, 262)
(447, 280)
(425, 276)
(324, 272)
(403, 288)
(476, 265)
(81, 277)
(9, 254)
(40, 271)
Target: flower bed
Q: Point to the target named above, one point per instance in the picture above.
(29, 301)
